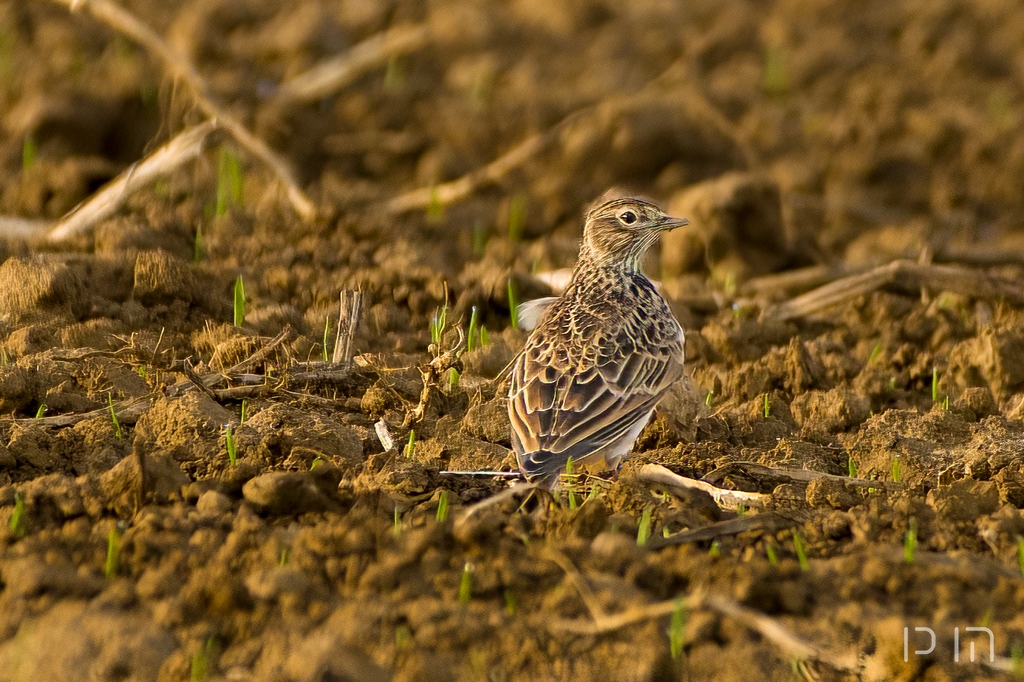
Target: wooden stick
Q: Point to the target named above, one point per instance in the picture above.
(127, 24)
(348, 320)
(329, 76)
(771, 629)
(904, 275)
(186, 146)
(659, 475)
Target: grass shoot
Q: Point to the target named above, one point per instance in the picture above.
(283, 559)
(410, 447)
(41, 411)
(229, 181)
(29, 152)
(453, 379)
(113, 552)
(801, 552)
(715, 550)
(570, 477)
(773, 557)
(113, 417)
(327, 334)
(232, 447)
(437, 325)
(897, 473)
(643, 533)
(910, 542)
(513, 303)
(1020, 555)
(485, 338)
(16, 525)
(245, 411)
(239, 302)
(516, 218)
(473, 333)
(435, 209)
(677, 630)
(708, 398)
(935, 384)
(875, 353)
(851, 468)
(442, 507)
(767, 406)
(466, 584)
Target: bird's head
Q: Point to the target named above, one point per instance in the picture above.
(619, 232)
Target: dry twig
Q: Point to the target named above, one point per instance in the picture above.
(329, 76)
(348, 320)
(186, 146)
(126, 23)
(904, 275)
(659, 475)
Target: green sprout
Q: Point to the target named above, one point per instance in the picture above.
(403, 635)
(113, 417)
(516, 218)
(801, 552)
(283, 559)
(897, 474)
(229, 441)
(910, 542)
(229, 182)
(473, 333)
(767, 406)
(1020, 555)
(513, 303)
(570, 488)
(437, 325)
(410, 447)
(327, 333)
(317, 461)
(485, 338)
(245, 411)
(851, 467)
(1017, 660)
(875, 353)
(775, 81)
(435, 209)
(773, 557)
(945, 403)
(394, 74)
(643, 533)
(41, 411)
(198, 245)
(239, 302)
(202, 661)
(480, 236)
(677, 630)
(715, 550)
(16, 525)
(466, 584)
(396, 524)
(442, 507)
(29, 152)
(453, 379)
(708, 398)
(113, 552)
(935, 384)
(511, 605)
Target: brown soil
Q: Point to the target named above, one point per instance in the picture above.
(791, 133)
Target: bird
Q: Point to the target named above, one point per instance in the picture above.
(600, 356)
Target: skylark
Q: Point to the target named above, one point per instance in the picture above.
(601, 356)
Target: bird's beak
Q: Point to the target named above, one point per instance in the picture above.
(669, 223)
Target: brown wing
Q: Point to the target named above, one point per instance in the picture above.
(560, 409)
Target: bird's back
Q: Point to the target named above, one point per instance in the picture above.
(591, 373)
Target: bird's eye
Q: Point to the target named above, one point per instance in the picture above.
(627, 217)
